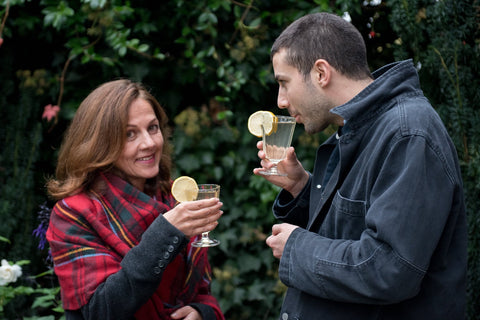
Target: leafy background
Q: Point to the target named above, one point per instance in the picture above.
(207, 62)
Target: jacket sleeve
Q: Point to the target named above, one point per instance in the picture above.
(124, 292)
(293, 210)
(401, 223)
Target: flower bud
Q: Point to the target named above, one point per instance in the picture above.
(9, 273)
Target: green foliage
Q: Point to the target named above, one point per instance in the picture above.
(20, 142)
(449, 70)
(208, 63)
(19, 290)
(219, 151)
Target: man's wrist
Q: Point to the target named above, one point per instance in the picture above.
(297, 189)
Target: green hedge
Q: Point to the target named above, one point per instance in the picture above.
(208, 63)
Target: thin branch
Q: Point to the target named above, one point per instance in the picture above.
(62, 79)
(456, 85)
(444, 65)
(143, 54)
(65, 67)
(7, 9)
(239, 4)
(244, 15)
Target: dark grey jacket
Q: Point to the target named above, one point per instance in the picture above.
(386, 237)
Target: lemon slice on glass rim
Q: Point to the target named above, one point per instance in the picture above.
(265, 119)
(184, 188)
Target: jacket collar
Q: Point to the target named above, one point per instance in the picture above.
(390, 82)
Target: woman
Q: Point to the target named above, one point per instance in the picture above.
(120, 245)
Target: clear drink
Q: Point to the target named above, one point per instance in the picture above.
(207, 191)
(276, 144)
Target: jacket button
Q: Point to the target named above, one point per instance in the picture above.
(157, 270)
(161, 264)
(170, 248)
(175, 239)
(285, 316)
(166, 255)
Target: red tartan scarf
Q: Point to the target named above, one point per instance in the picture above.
(89, 234)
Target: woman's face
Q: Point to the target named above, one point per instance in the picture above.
(142, 151)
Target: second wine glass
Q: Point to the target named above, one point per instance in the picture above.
(207, 191)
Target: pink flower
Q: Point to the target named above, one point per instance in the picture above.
(50, 112)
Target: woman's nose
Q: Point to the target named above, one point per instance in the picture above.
(147, 140)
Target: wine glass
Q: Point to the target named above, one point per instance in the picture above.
(275, 145)
(207, 191)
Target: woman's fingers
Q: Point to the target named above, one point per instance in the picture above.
(195, 217)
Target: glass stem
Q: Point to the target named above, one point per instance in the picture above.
(205, 237)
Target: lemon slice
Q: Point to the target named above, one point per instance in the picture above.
(262, 118)
(184, 189)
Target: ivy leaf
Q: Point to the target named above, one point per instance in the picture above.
(256, 291)
(96, 4)
(255, 23)
(249, 262)
(44, 301)
(57, 16)
(188, 162)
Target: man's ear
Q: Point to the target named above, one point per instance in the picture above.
(323, 72)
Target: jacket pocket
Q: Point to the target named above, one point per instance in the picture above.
(345, 219)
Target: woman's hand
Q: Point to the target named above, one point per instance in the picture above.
(194, 217)
(296, 177)
(186, 313)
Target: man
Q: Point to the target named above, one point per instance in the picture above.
(378, 230)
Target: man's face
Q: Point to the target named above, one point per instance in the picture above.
(303, 98)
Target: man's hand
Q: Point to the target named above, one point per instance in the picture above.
(296, 177)
(279, 237)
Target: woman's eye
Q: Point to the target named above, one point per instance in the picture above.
(154, 128)
(130, 135)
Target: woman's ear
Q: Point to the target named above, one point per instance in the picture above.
(323, 72)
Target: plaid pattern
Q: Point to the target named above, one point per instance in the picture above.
(89, 235)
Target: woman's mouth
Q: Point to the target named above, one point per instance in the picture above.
(146, 159)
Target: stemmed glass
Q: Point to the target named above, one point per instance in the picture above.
(207, 191)
(275, 145)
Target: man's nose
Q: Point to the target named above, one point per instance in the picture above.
(282, 101)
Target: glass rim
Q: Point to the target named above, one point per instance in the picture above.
(286, 118)
(202, 187)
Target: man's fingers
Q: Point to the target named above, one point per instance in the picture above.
(276, 228)
(291, 154)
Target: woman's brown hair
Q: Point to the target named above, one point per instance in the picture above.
(96, 136)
